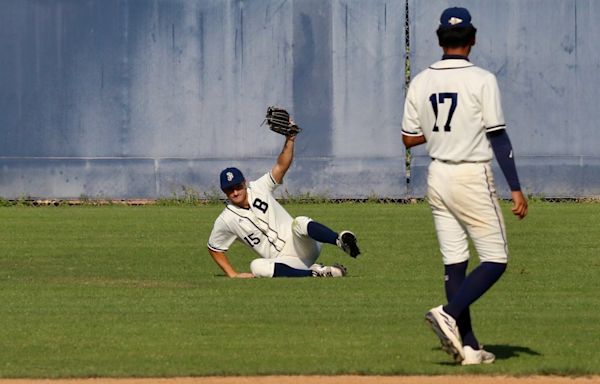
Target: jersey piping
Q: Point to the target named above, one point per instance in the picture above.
(211, 247)
(496, 127)
(272, 179)
(263, 232)
(498, 217)
(406, 133)
(444, 69)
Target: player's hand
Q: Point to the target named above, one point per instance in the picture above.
(519, 207)
(243, 275)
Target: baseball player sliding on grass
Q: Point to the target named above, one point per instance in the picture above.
(454, 108)
(289, 247)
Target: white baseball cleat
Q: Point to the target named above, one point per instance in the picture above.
(335, 270)
(473, 357)
(446, 330)
(487, 357)
(347, 242)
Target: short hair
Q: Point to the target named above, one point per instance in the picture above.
(456, 37)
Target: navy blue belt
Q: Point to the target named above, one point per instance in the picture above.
(459, 162)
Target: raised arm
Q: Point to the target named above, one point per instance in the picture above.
(222, 261)
(284, 160)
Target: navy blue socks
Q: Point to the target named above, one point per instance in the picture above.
(454, 276)
(321, 233)
(316, 231)
(462, 291)
(284, 270)
(474, 286)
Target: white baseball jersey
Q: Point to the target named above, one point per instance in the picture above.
(453, 104)
(266, 226)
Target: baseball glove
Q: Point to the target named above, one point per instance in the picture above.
(278, 120)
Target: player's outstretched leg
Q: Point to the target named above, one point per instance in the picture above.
(321, 233)
(335, 270)
(268, 268)
(347, 241)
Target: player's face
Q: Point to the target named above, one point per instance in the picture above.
(237, 195)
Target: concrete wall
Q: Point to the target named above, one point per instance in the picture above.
(147, 98)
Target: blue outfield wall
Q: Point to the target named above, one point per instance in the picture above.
(149, 98)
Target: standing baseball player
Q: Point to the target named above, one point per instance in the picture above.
(453, 107)
(288, 247)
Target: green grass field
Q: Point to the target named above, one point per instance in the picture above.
(132, 291)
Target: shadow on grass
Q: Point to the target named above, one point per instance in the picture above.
(503, 352)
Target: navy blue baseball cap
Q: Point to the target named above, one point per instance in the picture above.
(455, 17)
(231, 177)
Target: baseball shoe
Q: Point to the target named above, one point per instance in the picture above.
(487, 357)
(347, 242)
(473, 357)
(335, 270)
(444, 326)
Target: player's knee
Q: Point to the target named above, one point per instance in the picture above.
(262, 268)
(300, 225)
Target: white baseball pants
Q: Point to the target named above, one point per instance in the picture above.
(464, 203)
(300, 252)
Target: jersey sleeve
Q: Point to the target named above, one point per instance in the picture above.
(411, 126)
(493, 117)
(221, 236)
(265, 183)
